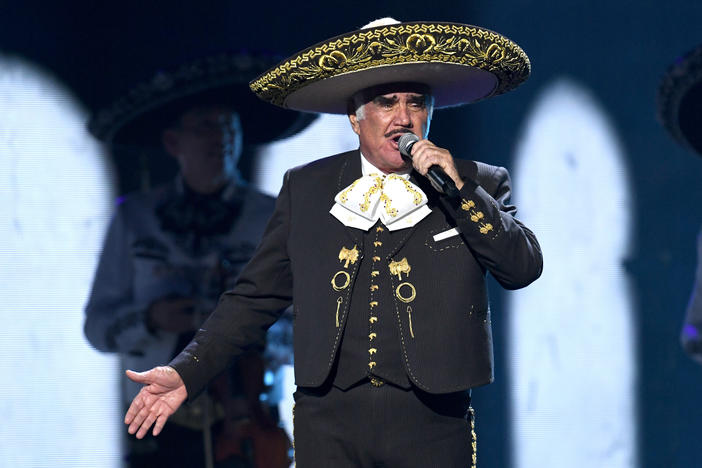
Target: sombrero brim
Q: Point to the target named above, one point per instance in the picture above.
(460, 63)
(138, 118)
(679, 100)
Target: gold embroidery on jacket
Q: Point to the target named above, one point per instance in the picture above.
(348, 255)
(397, 268)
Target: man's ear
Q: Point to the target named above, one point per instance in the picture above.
(169, 138)
(354, 124)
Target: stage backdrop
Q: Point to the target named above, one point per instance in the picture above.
(589, 368)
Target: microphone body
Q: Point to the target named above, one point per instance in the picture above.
(438, 178)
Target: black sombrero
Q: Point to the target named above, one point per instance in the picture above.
(137, 118)
(460, 63)
(680, 100)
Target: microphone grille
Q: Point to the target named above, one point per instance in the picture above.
(405, 143)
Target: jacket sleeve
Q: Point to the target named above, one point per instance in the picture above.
(240, 320)
(501, 243)
(114, 322)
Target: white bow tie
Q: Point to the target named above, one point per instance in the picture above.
(396, 201)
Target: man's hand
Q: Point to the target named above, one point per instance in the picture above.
(162, 395)
(426, 154)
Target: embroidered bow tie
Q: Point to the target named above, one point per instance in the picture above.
(396, 201)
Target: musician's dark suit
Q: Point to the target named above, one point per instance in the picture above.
(444, 340)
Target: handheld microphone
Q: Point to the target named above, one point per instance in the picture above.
(438, 178)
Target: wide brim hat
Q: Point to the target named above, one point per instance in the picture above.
(138, 118)
(679, 100)
(460, 64)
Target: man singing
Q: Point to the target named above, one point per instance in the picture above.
(386, 275)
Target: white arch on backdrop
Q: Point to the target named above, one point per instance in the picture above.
(571, 343)
(59, 403)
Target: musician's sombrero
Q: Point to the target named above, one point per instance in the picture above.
(460, 64)
(680, 100)
(137, 118)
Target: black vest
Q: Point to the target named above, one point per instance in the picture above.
(370, 346)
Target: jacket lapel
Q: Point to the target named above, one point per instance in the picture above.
(350, 171)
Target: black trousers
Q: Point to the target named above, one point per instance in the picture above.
(385, 426)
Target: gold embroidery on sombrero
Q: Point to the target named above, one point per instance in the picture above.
(403, 43)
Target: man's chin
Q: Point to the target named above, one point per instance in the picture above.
(400, 166)
(398, 162)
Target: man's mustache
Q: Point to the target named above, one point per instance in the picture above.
(396, 131)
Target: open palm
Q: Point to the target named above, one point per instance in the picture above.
(162, 394)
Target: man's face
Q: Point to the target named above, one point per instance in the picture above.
(206, 142)
(382, 120)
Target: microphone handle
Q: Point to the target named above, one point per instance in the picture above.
(439, 178)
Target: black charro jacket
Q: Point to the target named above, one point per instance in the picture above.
(450, 345)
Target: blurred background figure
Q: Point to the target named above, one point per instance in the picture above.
(172, 249)
(680, 112)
